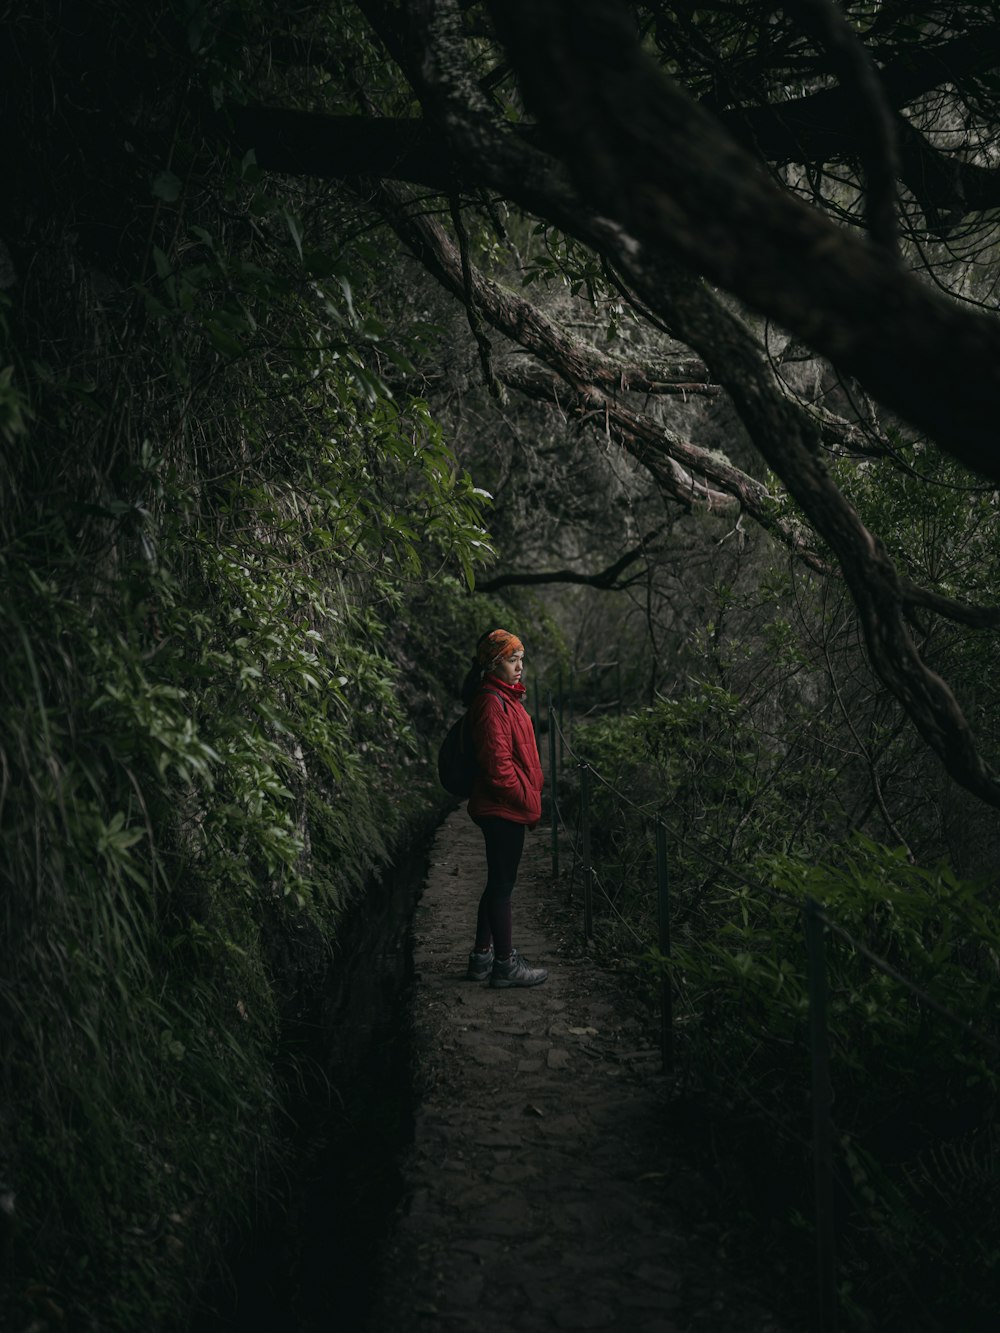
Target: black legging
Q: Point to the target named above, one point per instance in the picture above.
(504, 845)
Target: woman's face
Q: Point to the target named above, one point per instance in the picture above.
(509, 668)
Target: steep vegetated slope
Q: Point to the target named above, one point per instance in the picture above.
(228, 533)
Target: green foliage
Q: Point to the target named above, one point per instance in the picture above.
(914, 1076)
(781, 771)
(937, 523)
(235, 553)
(912, 1087)
(222, 509)
(554, 259)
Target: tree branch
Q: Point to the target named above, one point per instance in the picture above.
(690, 474)
(869, 117)
(523, 322)
(819, 127)
(675, 183)
(650, 443)
(962, 613)
(645, 156)
(305, 143)
(471, 310)
(661, 190)
(880, 596)
(606, 579)
(680, 467)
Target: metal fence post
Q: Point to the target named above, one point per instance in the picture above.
(825, 1308)
(552, 790)
(560, 703)
(663, 914)
(588, 870)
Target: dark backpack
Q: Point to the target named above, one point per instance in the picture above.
(457, 755)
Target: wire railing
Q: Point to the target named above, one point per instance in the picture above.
(817, 923)
(881, 964)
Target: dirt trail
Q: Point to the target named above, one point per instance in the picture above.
(542, 1190)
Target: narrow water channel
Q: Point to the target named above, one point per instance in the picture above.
(310, 1262)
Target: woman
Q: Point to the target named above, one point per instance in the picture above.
(506, 799)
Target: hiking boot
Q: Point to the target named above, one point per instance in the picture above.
(480, 965)
(516, 971)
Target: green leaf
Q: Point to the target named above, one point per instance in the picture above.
(292, 223)
(167, 186)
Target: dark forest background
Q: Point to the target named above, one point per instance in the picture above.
(336, 333)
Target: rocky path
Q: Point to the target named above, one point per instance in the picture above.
(543, 1191)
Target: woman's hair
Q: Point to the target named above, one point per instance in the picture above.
(471, 683)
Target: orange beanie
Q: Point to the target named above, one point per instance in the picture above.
(498, 643)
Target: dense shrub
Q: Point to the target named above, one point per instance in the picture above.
(755, 826)
(216, 518)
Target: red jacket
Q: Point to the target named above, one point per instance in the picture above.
(508, 782)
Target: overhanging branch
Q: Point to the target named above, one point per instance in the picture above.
(660, 189)
(606, 579)
(672, 182)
